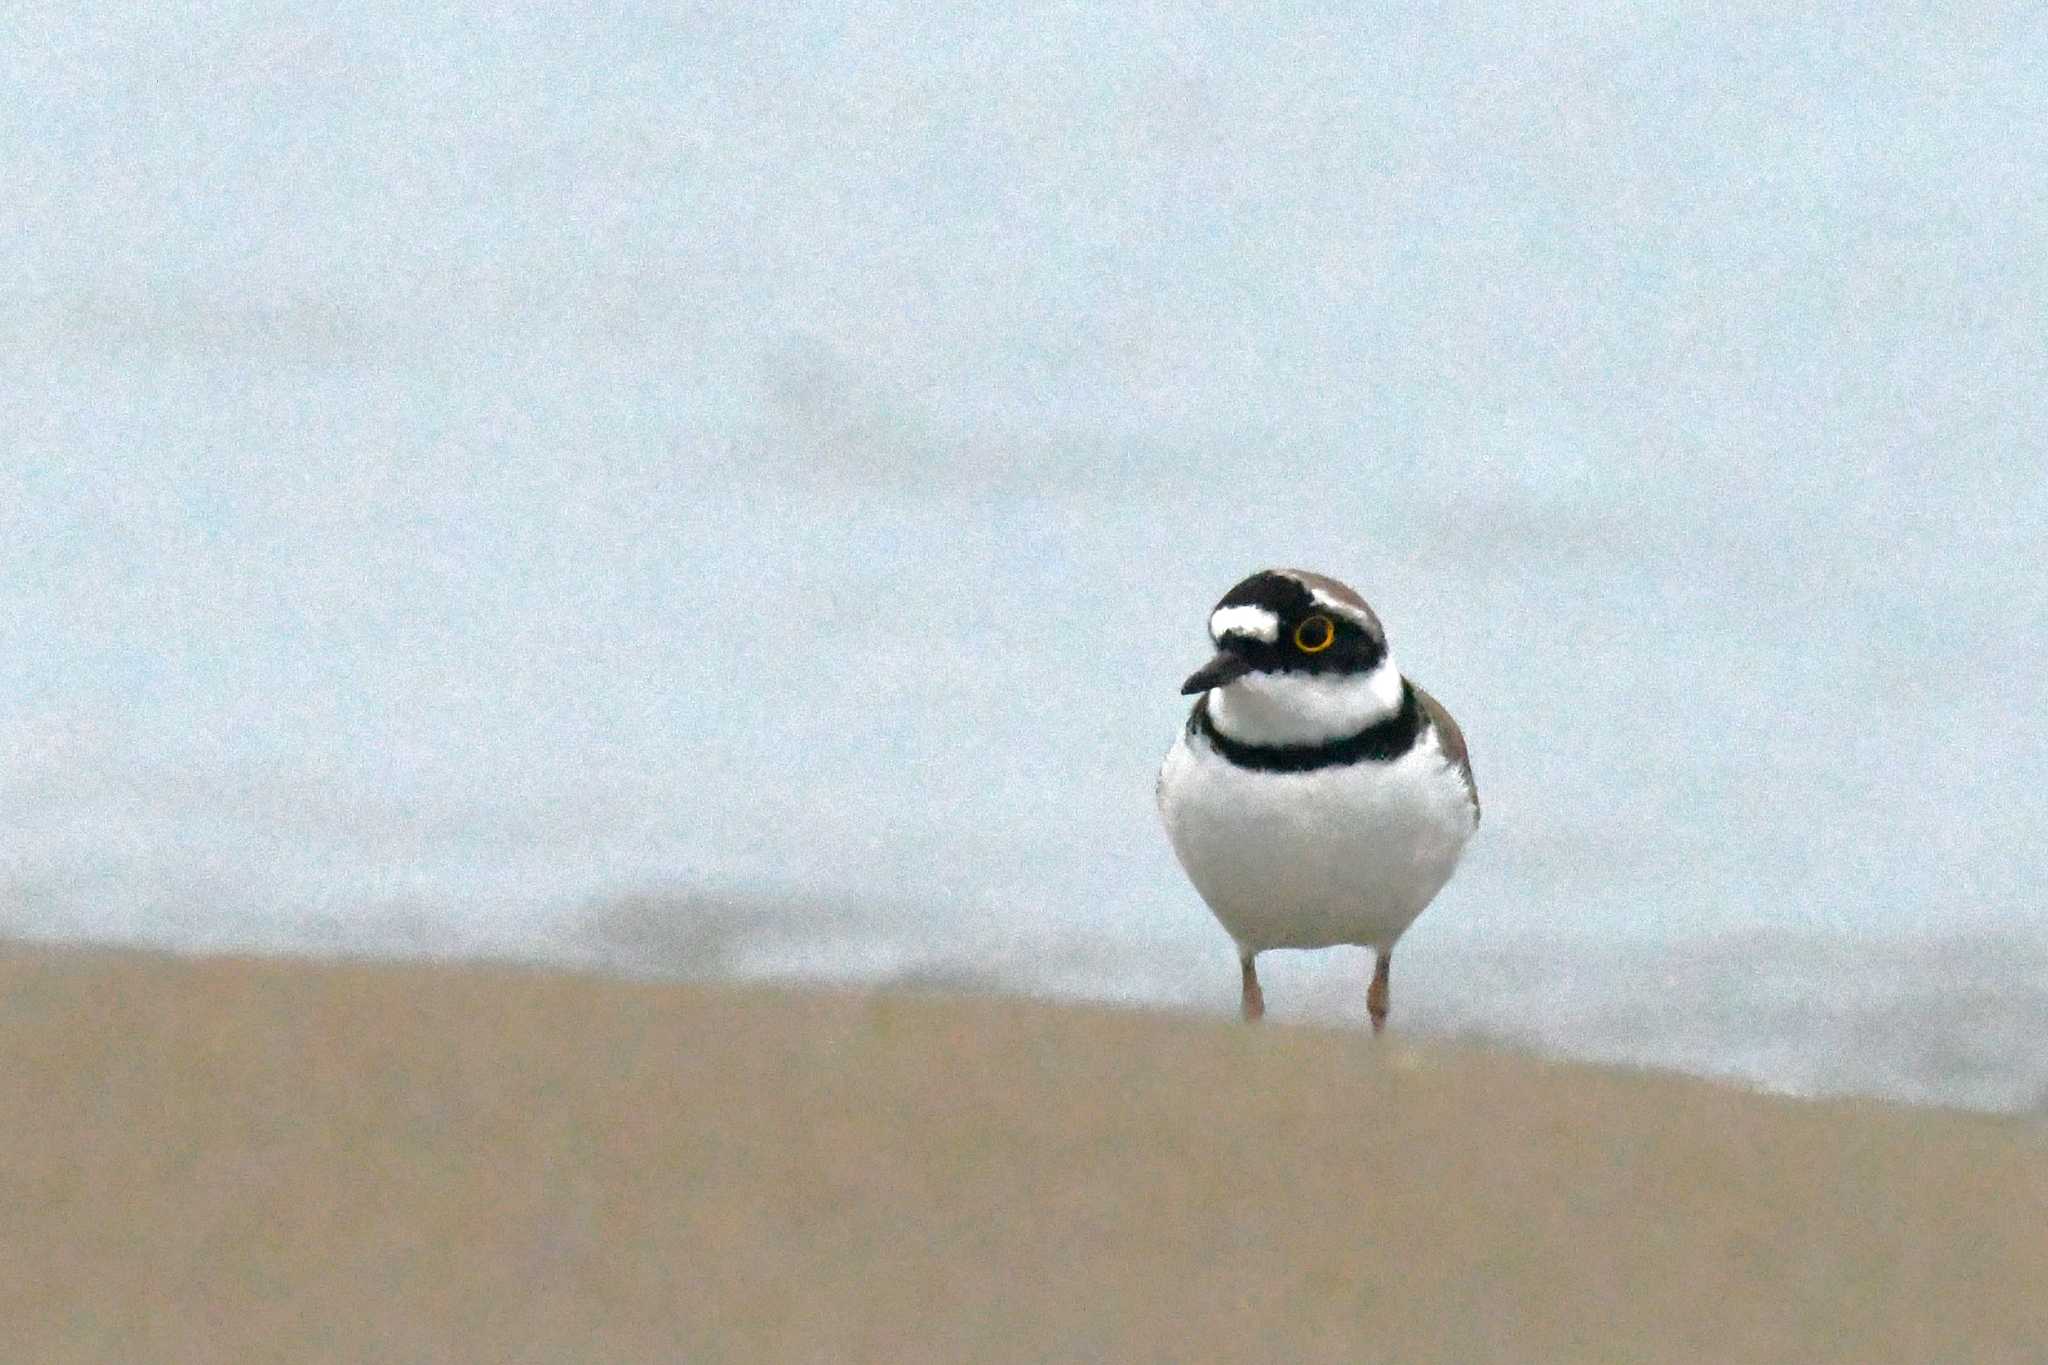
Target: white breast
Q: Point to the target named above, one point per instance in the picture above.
(1345, 854)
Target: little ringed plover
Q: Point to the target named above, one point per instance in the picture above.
(1315, 796)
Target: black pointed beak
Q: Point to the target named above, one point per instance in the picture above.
(1224, 668)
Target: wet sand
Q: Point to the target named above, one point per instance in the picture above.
(282, 1160)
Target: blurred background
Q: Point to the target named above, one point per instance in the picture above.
(733, 492)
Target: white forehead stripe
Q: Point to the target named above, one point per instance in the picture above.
(1256, 622)
(1337, 608)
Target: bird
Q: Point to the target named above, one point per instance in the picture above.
(1316, 796)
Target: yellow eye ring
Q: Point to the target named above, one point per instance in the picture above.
(1306, 640)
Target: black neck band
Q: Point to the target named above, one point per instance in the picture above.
(1378, 742)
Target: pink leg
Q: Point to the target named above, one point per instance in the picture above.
(1376, 996)
(1253, 1004)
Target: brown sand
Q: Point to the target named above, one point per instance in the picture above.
(279, 1161)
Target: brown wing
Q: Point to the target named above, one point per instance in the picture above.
(1453, 741)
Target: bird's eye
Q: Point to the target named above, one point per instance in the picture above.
(1315, 635)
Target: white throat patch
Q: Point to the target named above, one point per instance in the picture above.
(1256, 622)
(1304, 708)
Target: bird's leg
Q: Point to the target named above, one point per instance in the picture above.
(1376, 995)
(1253, 1003)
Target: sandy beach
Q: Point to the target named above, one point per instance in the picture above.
(283, 1160)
